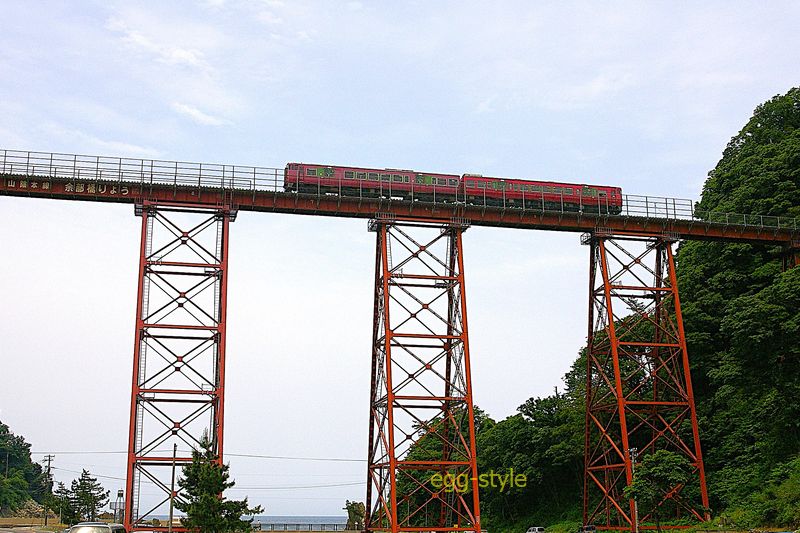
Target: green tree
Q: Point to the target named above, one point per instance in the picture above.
(13, 491)
(658, 473)
(356, 512)
(88, 496)
(63, 504)
(202, 485)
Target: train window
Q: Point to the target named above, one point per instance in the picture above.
(373, 176)
(384, 177)
(397, 178)
(453, 183)
(405, 179)
(311, 172)
(568, 191)
(558, 190)
(470, 183)
(480, 185)
(349, 174)
(419, 180)
(602, 193)
(361, 175)
(441, 181)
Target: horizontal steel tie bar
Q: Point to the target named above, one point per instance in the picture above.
(610, 466)
(424, 276)
(178, 326)
(433, 463)
(424, 336)
(146, 459)
(178, 391)
(647, 402)
(640, 288)
(184, 264)
(434, 398)
(650, 344)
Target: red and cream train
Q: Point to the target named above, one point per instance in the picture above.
(468, 188)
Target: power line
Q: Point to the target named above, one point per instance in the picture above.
(288, 458)
(96, 475)
(292, 487)
(244, 455)
(287, 487)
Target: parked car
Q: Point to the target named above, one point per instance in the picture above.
(588, 529)
(97, 527)
(535, 529)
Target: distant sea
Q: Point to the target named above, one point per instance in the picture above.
(280, 519)
(290, 519)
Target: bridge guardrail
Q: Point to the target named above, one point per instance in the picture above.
(257, 526)
(239, 178)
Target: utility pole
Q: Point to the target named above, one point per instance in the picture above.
(634, 452)
(48, 484)
(172, 487)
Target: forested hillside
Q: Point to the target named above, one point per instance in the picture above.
(20, 478)
(742, 317)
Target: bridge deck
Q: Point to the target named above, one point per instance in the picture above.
(107, 179)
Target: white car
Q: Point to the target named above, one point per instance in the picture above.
(535, 530)
(97, 527)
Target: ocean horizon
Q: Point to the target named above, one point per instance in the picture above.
(301, 519)
(288, 519)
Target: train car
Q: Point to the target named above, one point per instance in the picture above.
(371, 182)
(467, 189)
(548, 195)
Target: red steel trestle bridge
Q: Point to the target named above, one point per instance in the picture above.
(639, 389)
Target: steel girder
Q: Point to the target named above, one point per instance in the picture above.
(178, 385)
(639, 390)
(421, 410)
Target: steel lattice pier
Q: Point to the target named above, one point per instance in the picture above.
(178, 386)
(639, 389)
(421, 409)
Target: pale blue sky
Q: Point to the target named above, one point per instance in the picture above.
(636, 94)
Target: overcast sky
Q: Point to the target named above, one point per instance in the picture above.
(640, 95)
